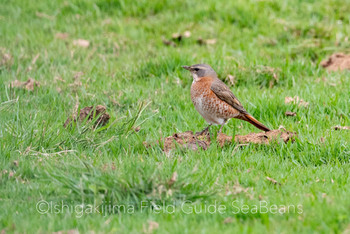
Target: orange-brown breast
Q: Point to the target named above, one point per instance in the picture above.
(213, 109)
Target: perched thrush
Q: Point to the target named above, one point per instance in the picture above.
(214, 100)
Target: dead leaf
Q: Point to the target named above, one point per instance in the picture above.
(62, 36)
(172, 179)
(81, 42)
(15, 163)
(176, 37)
(89, 113)
(5, 58)
(35, 58)
(136, 129)
(272, 180)
(152, 226)
(296, 100)
(228, 220)
(231, 79)
(206, 42)
(169, 43)
(187, 34)
(77, 75)
(338, 127)
(322, 140)
(43, 15)
(237, 189)
(29, 85)
(337, 62)
(289, 113)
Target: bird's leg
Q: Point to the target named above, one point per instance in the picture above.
(222, 125)
(204, 130)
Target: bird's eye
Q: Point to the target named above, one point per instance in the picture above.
(196, 69)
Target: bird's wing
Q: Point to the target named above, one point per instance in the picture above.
(225, 94)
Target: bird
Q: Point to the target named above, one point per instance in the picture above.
(214, 100)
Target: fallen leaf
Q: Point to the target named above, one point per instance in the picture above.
(272, 180)
(169, 43)
(81, 43)
(77, 75)
(89, 113)
(136, 129)
(172, 179)
(322, 140)
(176, 37)
(152, 226)
(43, 15)
(337, 62)
(338, 127)
(35, 58)
(289, 113)
(187, 34)
(237, 189)
(228, 220)
(296, 100)
(231, 79)
(5, 58)
(30, 84)
(206, 42)
(62, 36)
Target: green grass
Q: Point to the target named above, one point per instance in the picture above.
(128, 69)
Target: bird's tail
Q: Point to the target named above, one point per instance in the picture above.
(255, 122)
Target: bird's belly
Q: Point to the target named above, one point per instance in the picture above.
(212, 112)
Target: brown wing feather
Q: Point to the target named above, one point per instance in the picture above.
(225, 94)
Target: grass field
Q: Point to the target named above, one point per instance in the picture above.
(272, 48)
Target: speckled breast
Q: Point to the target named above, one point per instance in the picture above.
(213, 109)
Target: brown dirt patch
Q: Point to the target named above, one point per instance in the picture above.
(337, 62)
(189, 140)
(266, 137)
(89, 113)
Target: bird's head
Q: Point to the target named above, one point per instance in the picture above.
(200, 70)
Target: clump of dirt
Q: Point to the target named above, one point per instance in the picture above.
(29, 85)
(266, 137)
(189, 140)
(89, 113)
(337, 62)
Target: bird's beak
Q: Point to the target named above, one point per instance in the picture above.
(187, 67)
